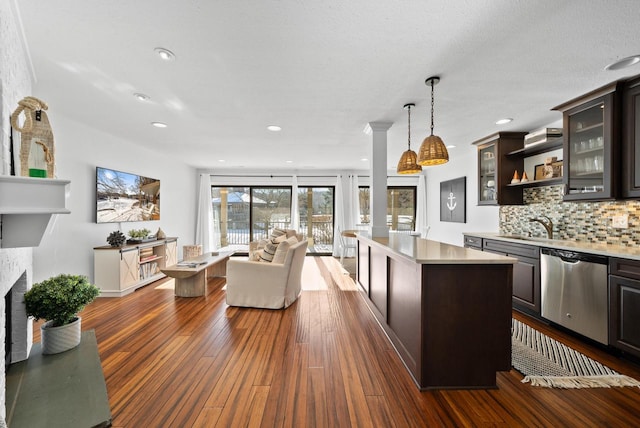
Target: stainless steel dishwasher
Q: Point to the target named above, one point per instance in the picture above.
(574, 291)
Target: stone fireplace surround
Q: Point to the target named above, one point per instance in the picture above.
(15, 275)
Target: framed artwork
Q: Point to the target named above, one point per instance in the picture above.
(548, 171)
(453, 197)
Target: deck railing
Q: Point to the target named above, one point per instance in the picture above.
(237, 232)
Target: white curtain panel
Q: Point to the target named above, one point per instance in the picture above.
(422, 226)
(204, 221)
(338, 220)
(295, 209)
(354, 203)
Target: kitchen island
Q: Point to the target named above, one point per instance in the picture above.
(446, 309)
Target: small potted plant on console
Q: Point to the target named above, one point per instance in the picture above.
(139, 235)
(59, 300)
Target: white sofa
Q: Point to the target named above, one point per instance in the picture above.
(266, 285)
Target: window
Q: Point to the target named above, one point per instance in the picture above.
(401, 207)
(248, 213)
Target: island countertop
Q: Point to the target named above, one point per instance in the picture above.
(425, 251)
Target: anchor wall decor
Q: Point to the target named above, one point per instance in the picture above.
(453, 194)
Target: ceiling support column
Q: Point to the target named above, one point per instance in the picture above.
(378, 189)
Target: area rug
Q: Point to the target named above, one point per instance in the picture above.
(548, 363)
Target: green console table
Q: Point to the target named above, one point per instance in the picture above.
(61, 390)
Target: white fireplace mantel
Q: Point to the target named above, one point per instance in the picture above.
(26, 207)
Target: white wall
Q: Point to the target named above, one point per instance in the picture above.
(15, 263)
(67, 247)
(462, 162)
(15, 76)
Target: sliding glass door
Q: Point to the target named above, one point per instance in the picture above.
(248, 213)
(231, 208)
(316, 207)
(270, 208)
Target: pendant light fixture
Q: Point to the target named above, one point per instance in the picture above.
(407, 163)
(432, 151)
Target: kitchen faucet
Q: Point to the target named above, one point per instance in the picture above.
(548, 225)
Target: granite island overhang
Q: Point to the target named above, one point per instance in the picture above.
(446, 309)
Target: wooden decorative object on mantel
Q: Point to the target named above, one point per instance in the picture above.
(37, 154)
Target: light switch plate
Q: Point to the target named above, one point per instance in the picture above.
(620, 221)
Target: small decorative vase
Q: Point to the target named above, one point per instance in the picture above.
(55, 340)
(160, 234)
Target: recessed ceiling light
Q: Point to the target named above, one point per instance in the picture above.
(451, 146)
(623, 63)
(274, 128)
(159, 124)
(503, 121)
(221, 160)
(289, 161)
(141, 97)
(165, 54)
(364, 160)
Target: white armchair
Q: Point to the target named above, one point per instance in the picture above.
(266, 285)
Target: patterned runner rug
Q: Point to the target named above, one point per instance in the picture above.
(548, 363)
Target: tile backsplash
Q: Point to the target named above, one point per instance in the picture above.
(573, 221)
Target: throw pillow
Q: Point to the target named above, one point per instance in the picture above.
(255, 256)
(290, 233)
(269, 251)
(279, 239)
(254, 251)
(281, 252)
(277, 232)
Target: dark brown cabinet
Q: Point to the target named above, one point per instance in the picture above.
(591, 133)
(624, 305)
(473, 242)
(526, 273)
(496, 169)
(450, 323)
(631, 139)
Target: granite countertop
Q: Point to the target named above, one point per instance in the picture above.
(610, 250)
(425, 251)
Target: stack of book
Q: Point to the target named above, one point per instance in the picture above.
(146, 254)
(148, 269)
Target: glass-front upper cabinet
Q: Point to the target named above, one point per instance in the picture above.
(591, 145)
(495, 168)
(631, 139)
(488, 191)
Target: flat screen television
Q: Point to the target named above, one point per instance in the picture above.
(121, 196)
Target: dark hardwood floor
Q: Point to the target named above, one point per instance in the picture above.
(323, 362)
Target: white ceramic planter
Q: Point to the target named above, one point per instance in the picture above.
(55, 340)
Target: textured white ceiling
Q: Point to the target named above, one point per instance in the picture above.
(319, 69)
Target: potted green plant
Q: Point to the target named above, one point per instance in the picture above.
(139, 235)
(58, 300)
